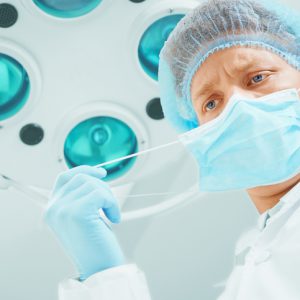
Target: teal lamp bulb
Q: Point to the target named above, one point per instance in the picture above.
(153, 41)
(67, 8)
(98, 140)
(14, 87)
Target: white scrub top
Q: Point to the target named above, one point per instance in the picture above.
(267, 264)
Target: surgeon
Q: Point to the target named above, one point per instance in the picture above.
(229, 81)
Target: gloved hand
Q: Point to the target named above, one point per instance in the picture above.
(73, 215)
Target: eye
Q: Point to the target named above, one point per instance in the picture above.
(210, 105)
(258, 78)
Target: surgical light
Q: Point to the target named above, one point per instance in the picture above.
(14, 86)
(152, 42)
(101, 139)
(67, 8)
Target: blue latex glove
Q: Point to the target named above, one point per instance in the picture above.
(73, 215)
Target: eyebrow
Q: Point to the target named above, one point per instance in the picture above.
(208, 86)
(252, 64)
(205, 89)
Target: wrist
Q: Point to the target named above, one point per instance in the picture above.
(85, 274)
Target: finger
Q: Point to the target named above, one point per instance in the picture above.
(103, 186)
(75, 182)
(56, 206)
(64, 177)
(101, 199)
(113, 214)
(58, 203)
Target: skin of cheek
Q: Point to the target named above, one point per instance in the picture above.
(288, 78)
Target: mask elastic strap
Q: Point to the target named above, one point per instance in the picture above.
(137, 154)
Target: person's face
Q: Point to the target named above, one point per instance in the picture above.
(252, 72)
(247, 71)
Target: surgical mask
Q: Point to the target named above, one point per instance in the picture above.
(253, 142)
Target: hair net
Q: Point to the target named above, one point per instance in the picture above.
(211, 27)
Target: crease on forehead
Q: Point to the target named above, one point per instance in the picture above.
(203, 84)
(241, 61)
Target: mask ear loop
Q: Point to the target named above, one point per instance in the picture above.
(137, 154)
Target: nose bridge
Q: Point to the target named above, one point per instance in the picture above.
(240, 91)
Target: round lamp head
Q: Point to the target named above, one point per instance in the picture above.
(98, 140)
(67, 8)
(153, 41)
(14, 87)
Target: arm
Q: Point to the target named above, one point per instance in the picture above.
(73, 215)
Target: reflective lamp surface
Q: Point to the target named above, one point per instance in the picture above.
(98, 140)
(14, 87)
(67, 8)
(152, 42)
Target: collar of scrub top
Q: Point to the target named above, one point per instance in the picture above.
(288, 200)
(261, 237)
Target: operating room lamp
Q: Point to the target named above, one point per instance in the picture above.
(78, 85)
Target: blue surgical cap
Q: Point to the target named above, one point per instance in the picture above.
(215, 25)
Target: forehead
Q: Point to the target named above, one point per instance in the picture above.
(238, 57)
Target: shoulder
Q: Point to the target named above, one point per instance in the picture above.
(293, 220)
